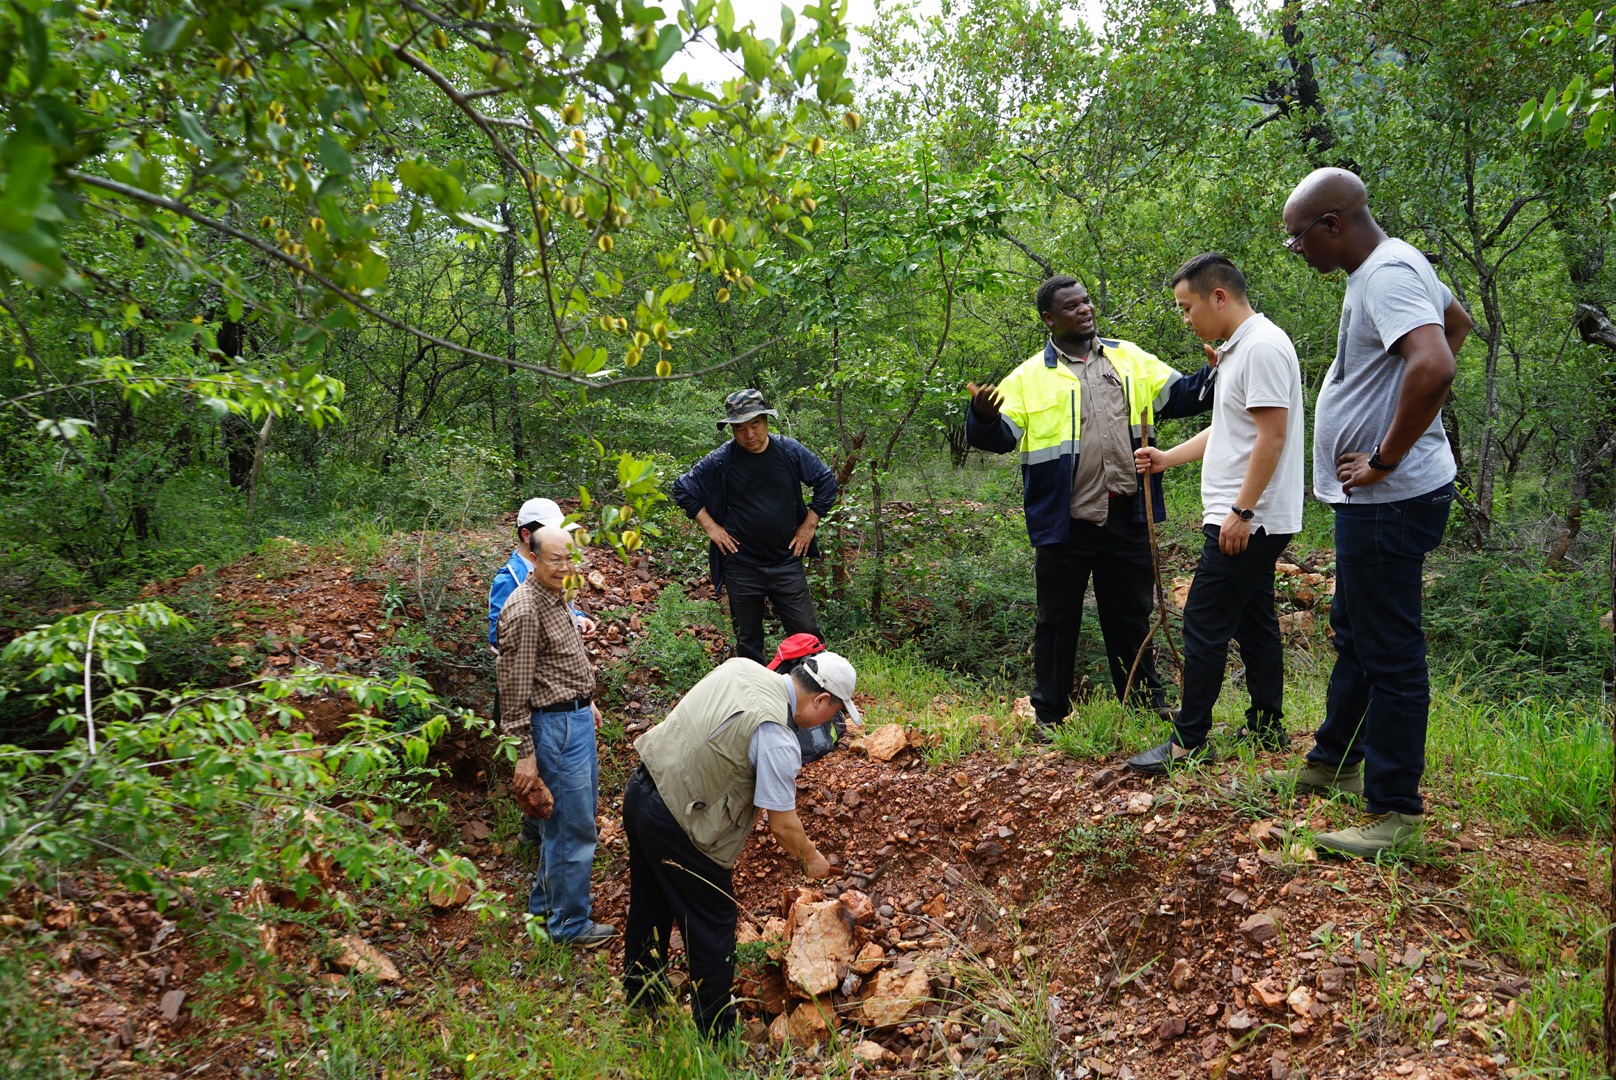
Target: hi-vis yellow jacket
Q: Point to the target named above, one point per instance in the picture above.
(1041, 417)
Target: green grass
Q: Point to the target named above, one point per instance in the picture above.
(946, 706)
(1535, 765)
(34, 1044)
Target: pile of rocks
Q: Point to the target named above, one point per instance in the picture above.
(830, 972)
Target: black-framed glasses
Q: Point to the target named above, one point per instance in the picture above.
(1294, 243)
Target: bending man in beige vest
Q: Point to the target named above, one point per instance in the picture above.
(724, 752)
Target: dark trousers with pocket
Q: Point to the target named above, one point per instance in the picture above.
(670, 881)
(1117, 556)
(1232, 598)
(1379, 701)
(785, 586)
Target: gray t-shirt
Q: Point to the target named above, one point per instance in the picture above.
(777, 756)
(1393, 292)
(1257, 369)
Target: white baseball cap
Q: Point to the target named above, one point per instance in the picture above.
(543, 512)
(833, 672)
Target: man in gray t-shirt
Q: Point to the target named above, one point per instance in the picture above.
(1382, 461)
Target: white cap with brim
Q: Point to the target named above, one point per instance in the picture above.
(543, 512)
(833, 672)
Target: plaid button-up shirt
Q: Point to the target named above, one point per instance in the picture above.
(541, 658)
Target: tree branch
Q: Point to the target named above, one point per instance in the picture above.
(359, 302)
(1043, 263)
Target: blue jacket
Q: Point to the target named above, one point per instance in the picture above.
(1041, 417)
(706, 487)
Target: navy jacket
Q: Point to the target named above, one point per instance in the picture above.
(706, 487)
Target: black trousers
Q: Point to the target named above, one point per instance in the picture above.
(1232, 597)
(670, 880)
(1117, 556)
(785, 586)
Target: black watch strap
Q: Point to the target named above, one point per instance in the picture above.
(1380, 465)
(1242, 513)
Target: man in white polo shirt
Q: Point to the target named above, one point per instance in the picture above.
(1251, 505)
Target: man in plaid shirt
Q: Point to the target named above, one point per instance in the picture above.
(545, 686)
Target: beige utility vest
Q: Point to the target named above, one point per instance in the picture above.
(698, 756)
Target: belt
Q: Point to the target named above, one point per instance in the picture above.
(572, 705)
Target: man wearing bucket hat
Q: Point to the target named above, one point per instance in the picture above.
(533, 515)
(726, 750)
(747, 497)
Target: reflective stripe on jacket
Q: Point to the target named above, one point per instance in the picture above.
(1042, 418)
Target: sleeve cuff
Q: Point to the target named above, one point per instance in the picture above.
(524, 744)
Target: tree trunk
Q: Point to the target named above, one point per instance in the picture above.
(1610, 920)
(512, 391)
(1487, 458)
(1582, 482)
(258, 463)
(878, 590)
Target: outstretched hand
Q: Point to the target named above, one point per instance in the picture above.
(1148, 459)
(985, 402)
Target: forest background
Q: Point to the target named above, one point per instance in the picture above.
(339, 272)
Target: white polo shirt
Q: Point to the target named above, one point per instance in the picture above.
(1257, 368)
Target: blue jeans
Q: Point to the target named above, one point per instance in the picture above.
(1379, 699)
(564, 744)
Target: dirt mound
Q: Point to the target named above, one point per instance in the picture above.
(1165, 932)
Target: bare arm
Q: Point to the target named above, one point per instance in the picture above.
(788, 833)
(1427, 373)
(1235, 533)
(1456, 325)
(1154, 459)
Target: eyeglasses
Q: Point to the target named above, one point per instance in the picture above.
(1294, 243)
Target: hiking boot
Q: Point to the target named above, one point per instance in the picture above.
(593, 935)
(1263, 738)
(1317, 778)
(1379, 834)
(1160, 760)
(1042, 733)
(1159, 706)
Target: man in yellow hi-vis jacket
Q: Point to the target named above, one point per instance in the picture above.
(1076, 411)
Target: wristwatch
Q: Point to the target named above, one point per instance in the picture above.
(1378, 465)
(1242, 513)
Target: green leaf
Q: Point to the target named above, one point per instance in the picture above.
(37, 43)
(334, 157)
(668, 43)
(167, 34)
(192, 129)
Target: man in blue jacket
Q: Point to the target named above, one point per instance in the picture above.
(747, 497)
(1085, 511)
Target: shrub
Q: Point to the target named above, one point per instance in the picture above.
(670, 648)
(1508, 630)
(145, 783)
(962, 586)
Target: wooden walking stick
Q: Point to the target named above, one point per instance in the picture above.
(1146, 432)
